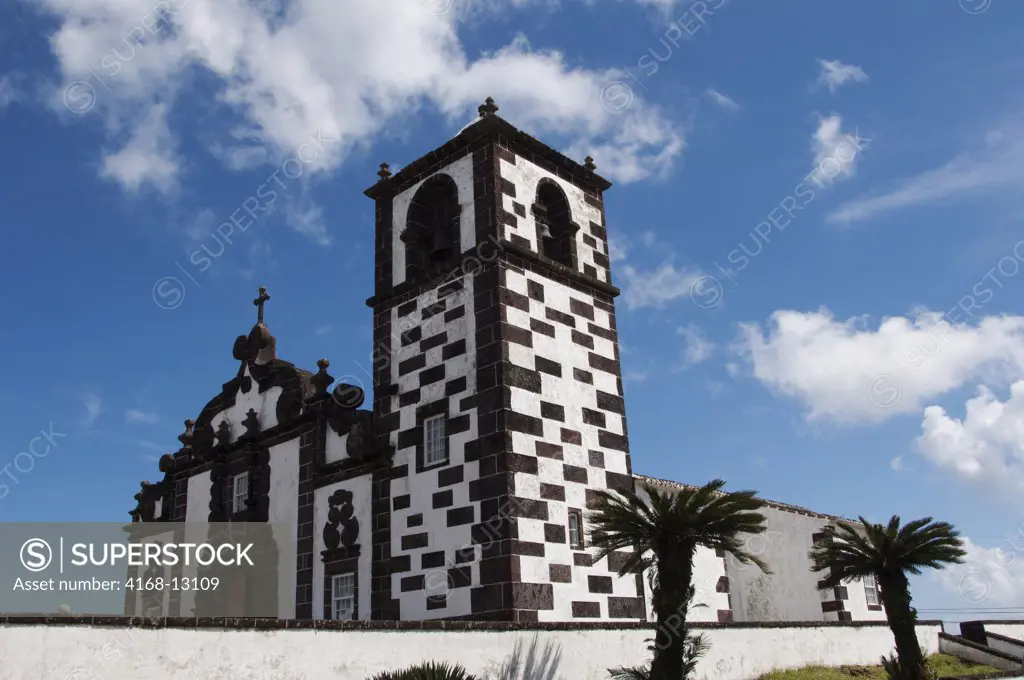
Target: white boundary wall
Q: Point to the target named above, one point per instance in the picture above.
(88, 652)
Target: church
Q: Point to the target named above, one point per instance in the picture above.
(459, 488)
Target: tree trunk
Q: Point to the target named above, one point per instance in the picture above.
(675, 575)
(902, 619)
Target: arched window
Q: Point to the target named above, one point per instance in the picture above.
(431, 233)
(556, 233)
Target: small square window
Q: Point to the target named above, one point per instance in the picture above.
(241, 492)
(871, 590)
(434, 449)
(576, 529)
(343, 597)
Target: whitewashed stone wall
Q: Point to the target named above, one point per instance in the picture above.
(1010, 629)
(461, 171)
(283, 509)
(334, 446)
(80, 652)
(264, 403)
(198, 508)
(433, 359)
(362, 496)
(525, 177)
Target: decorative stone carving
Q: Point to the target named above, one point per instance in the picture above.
(289, 405)
(322, 380)
(342, 529)
(224, 434)
(251, 423)
(360, 435)
(186, 437)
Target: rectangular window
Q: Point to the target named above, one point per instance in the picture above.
(576, 529)
(871, 591)
(241, 493)
(434, 450)
(343, 597)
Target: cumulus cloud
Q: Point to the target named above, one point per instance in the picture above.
(852, 371)
(148, 158)
(656, 287)
(986, 446)
(835, 74)
(989, 577)
(282, 71)
(835, 151)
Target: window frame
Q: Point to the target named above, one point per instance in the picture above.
(871, 590)
(580, 542)
(239, 503)
(441, 421)
(336, 599)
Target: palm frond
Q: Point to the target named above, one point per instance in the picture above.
(852, 552)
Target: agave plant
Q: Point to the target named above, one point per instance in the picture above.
(430, 670)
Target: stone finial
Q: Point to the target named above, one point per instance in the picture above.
(385, 171)
(259, 302)
(224, 433)
(322, 380)
(588, 163)
(186, 437)
(488, 108)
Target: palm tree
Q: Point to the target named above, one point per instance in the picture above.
(663, 534)
(889, 553)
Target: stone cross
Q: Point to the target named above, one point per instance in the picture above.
(259, 302)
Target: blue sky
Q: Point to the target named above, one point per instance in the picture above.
(834, 363)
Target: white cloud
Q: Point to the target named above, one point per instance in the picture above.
(989, 577)
(618, 248)
(287, 70)
(898, 464)
(696, 348)
(723, 101)
(998, 164)
(656, 287)
(93, 406)
(148, 158)
(849, 371)
(835, 74)
(10, 93)
(986, 446)
(835, 152)
(134, 415)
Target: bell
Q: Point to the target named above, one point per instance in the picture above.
(545, 230)
(441, 248)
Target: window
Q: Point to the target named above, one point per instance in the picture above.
(431, 234)
(555, 232)
(433, 441)
(241, 492)
(343, 597)
(576, 529)
(871, 591)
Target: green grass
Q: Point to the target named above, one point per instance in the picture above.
(943, 664)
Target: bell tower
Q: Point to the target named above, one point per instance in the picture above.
(497, 381)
